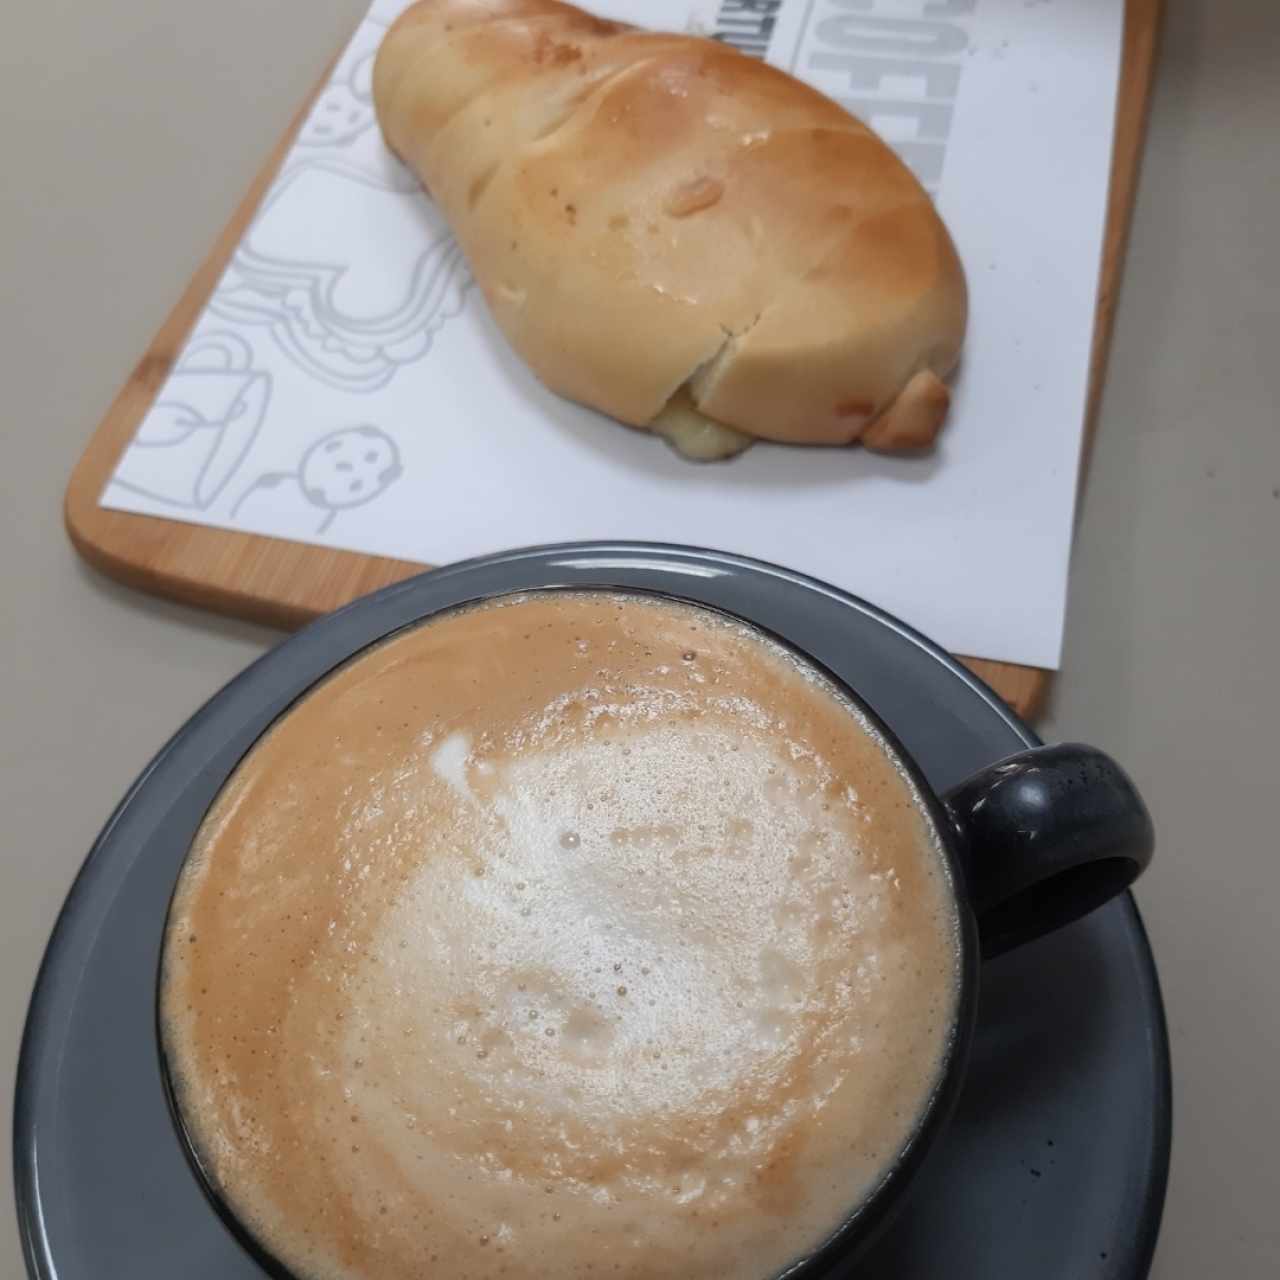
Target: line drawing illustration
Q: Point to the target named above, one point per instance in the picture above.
(356, 292)
(346, 468)
(342, 127)
(344, 109)
(202, 425)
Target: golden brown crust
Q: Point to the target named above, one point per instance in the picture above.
(649, 212)
(913, 419)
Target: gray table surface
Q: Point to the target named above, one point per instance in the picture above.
(131, 130)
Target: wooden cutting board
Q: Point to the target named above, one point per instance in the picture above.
(286, 584)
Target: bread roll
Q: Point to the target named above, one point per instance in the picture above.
(672, 232)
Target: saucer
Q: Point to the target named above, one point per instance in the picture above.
(1054, 1165)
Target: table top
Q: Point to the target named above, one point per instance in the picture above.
(135, 128)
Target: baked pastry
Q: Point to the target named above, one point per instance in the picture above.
(675, 233)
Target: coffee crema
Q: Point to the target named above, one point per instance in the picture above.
(574, 933)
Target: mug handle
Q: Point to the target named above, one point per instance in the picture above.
(1046, 836)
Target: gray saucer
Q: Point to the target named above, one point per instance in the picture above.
(1054, 1166)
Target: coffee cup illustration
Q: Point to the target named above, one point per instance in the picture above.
(201, 427)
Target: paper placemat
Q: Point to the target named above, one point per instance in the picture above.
(346, 387)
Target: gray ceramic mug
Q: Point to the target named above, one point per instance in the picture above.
(1030, 843)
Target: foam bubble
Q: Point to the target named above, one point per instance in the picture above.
(449, 762)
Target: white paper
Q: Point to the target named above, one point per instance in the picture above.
(347, 387)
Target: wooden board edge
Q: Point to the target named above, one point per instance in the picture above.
(1144, 21)
(1023, 688)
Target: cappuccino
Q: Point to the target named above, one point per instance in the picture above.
(572, 934)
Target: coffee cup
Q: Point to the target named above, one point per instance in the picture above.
(678, 690)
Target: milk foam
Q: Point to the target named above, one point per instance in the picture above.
(588, 935)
